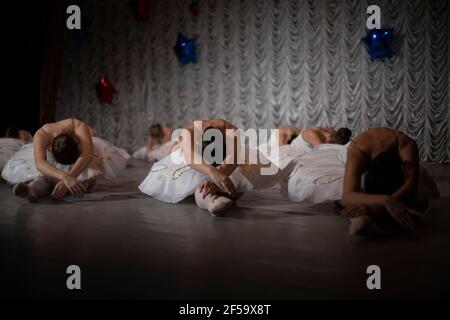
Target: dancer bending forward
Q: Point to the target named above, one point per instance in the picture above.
(293, 142)
(158, 146)
(64, 157)
(383, 179)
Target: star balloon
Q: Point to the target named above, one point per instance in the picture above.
(380, 43)
(105, 90)
(185, 49)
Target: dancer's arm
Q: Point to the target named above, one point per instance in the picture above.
(196, 162)
(409, 153)
(84, 137)
(41, 143)
(230, 163)
(313, 136)
(353, 199)
(69, 181)
(352, 195)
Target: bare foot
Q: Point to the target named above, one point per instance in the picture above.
(219, 205)
(24, 191)
(364, 226)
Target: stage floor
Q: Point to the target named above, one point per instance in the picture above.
(131, 246)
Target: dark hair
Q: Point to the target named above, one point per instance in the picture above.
(65, 149)
(384, 175)
(292, 138)
(341, 136)
(213, 153)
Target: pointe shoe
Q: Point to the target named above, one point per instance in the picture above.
(219, 206)
(364, 226)
(24, 191)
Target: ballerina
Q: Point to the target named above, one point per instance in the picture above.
(64, 157)
(159, 144)
(393, 184)
(181, 173)
(294, 143)
(11, 143)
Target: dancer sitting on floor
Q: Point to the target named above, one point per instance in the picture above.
(304, 141)
(158, 146)
(383, 179)
(13, 133)
(64, 157)
(12, 141)
(180, 173)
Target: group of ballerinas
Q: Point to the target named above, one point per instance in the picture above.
(374, 178)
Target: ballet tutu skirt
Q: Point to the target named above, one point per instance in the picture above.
(109, 162)
(161, 152)
(282, 155)
(301, 146)
(8, 147)
(269, 173)
(112, 159)
(171, 179)
(140, 154)
(158, 153)
(317, 176)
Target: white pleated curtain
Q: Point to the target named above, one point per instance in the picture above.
(262, 63)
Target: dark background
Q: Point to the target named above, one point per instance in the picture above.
(24, 26)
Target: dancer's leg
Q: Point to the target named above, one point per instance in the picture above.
(42, 186)
(38, 188)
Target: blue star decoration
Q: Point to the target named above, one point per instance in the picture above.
(380, 43)
(185, 49)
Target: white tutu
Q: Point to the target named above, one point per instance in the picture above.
(161, 152)
(8, 147)
(317, 176)
(283, 155)
(158, 152)
(171, 179)
(109, 161)
(140, 154)
(113, 160)
(301, 146)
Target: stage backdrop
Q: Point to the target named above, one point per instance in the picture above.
(261, 64)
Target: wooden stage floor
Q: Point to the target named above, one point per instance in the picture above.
(131, 246)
